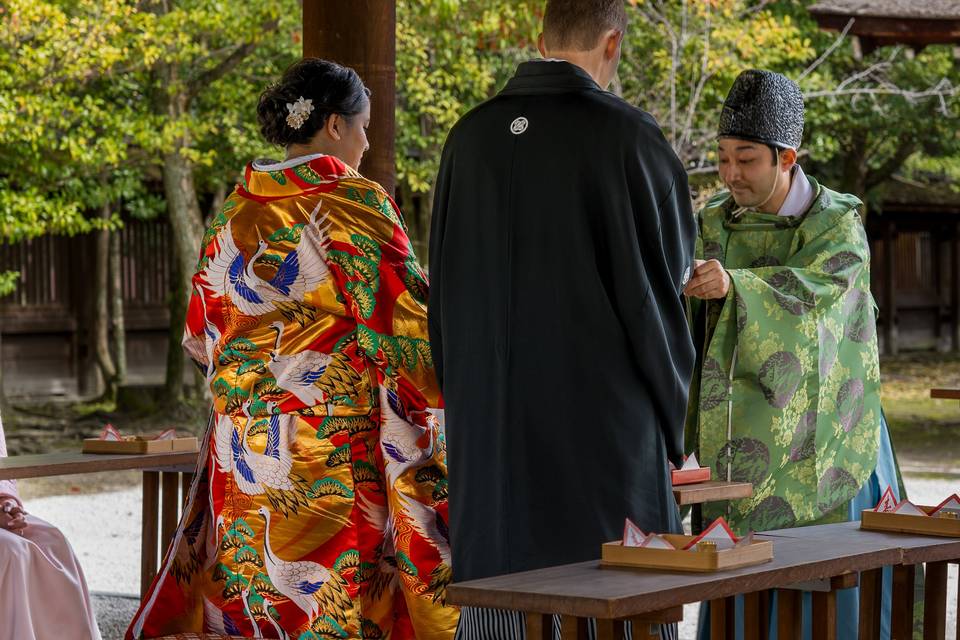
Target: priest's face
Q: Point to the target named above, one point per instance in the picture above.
(750, 171)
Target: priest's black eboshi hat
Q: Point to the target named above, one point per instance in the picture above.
(765, 107)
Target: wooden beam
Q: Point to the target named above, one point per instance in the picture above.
(893, 30)
(361, 34)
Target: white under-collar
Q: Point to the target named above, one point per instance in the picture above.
(800, 197)
(266, 164)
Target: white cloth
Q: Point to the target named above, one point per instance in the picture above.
(801, 195)
(43, 593)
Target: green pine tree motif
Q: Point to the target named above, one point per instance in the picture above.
(267, 388)
(340, 456)
(270, 259)
(354, 194)
(368, 270)
(258, 428)
(368, 339)
(221, 388)
(392, 353)
(307, 174)
(408, 347)
(235, 399)
(423, 349)
(414, 281)
(287, 234)
(364, 471)
(330, 486)
(343, 260)
(254, 365)
(347, 561)
(405, 564)
(367, 245)
(364, 297)
(339, 380)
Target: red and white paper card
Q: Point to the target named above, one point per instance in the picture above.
(718, 532)
(690, 463)
(110, 433)
(907, 508)
(888, 502)
(632, 534)
(654, 541)
(951, 504)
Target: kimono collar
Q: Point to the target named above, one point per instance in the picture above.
(265, 180)
(801, 195)
(549, 76)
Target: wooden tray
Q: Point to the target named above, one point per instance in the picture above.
(901, 523)
(692, 476)
(616, 555)
(139, 445)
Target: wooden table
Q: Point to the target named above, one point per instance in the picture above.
(832, 552)
(945, 394)
(161, 511)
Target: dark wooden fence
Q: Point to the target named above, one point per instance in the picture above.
(45, 321)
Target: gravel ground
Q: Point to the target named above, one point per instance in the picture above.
(104, 529)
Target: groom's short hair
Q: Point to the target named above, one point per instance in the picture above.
(576, 25)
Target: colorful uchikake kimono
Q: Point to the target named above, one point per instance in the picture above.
(789, 384)
(319, 508)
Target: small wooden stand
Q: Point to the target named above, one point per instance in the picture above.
(138, 445)
(615, 554)
(903, 523)
(679, 477)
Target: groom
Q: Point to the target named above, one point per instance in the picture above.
(562, 239)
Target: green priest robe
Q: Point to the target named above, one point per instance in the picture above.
(787, 392)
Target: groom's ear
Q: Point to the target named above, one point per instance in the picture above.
(541, 46)
(612, 41)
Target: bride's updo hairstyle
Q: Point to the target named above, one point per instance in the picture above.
(294, 109)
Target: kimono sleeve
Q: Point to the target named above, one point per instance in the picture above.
(653, 258)
(816, 278)
(385, 290)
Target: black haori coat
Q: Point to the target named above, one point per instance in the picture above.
(562, 237)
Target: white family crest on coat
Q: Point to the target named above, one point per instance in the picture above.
(228, 273)
(519, 125)
(299, 111)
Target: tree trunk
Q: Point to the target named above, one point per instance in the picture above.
(187, 227)
(100, 324)
(216, 204)
(173, 386)
(118, 325)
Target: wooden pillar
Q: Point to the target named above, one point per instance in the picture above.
(889, 290)
(935, 601)
(362, 34)
(901, 619)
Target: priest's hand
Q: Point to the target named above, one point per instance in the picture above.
(12, 515)
(710, 281)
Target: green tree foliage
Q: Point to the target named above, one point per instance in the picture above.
(451, 56)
